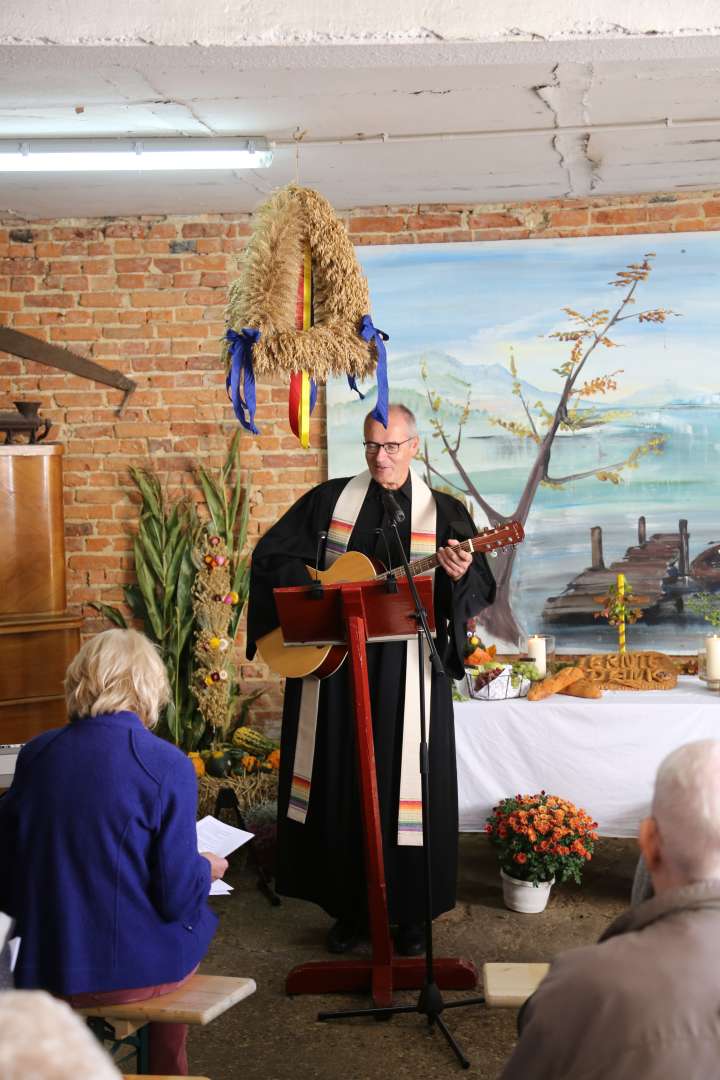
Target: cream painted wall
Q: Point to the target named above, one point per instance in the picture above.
(287, 22)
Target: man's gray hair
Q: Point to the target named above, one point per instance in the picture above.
(401, 411)
(686, 807)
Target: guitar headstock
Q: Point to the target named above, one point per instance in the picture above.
(492, 540)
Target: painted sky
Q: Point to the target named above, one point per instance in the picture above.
(477, 300)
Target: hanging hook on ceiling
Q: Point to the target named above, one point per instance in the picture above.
(298, 136)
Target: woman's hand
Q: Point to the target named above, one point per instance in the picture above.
(218, 865)
(455, 560)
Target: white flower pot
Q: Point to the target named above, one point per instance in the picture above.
(523, 895)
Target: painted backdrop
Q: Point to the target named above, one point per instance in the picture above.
(643, 428)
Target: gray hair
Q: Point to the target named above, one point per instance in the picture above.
(44, 1037)
(401, 411)
(686, 808)
(117, 671)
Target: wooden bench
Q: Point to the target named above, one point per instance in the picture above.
(508, 986)
(198, 1001)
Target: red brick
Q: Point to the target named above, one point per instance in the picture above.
(55, 300)
(434, 221)
(377, 224)
(204, 229)
(569, 217)
(618, 216)
(493, 221)
(74, 333)
(101, 299)
(132, 266)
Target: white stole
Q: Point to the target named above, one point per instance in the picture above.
(422, 543)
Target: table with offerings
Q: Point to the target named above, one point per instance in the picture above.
(600, 754)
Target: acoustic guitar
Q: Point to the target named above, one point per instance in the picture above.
(299, 661)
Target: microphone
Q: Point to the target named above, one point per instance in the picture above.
(316, 589)
(392, 506)
(391, 584)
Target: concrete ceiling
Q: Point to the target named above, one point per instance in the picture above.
(386, 122)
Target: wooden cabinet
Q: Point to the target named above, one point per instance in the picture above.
(32, 567)
(38, 638)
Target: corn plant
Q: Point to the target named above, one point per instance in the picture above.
(161, 598)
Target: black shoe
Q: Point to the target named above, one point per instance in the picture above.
(410, 939)
(343, 936)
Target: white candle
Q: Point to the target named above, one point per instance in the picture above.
(537, 652)
(712, 649)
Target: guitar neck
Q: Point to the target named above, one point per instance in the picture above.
(423, 566)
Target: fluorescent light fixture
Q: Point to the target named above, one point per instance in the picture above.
(132, 155)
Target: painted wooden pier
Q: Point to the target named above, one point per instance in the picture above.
(657, 569)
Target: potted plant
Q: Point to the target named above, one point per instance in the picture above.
(539, 839)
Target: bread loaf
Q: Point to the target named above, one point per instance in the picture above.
(553, 684)
(585, 688)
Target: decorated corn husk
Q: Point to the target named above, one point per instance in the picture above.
(213, 602)
(299, 246)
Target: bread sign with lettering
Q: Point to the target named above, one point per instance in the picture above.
(630, 671)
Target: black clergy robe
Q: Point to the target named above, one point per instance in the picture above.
(323, 860)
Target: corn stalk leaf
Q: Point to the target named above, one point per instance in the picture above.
(173, 572)
(151, 548)
(147, 588)
(134, 600)
(173, 722)
(213, 500)
(186, 576)
(149, 489)
(112, 614)
(232, 456)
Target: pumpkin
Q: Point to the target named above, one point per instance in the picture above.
(218, 764)
(198, 763)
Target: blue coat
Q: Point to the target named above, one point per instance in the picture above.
(99, 862)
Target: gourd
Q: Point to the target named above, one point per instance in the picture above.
(253, 742)
(198, 763)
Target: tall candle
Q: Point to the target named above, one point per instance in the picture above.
(537, 652)
(621, 599)
(712, 649)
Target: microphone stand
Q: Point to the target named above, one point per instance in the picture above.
(430, 1003)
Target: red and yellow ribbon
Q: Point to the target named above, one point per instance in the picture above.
(300, 383)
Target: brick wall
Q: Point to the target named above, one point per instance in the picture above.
(146, 296)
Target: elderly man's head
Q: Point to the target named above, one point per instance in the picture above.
(390, 450)
(681, 839)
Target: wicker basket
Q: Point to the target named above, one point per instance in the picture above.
(500, 689)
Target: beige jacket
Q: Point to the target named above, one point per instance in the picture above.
(642, 1004)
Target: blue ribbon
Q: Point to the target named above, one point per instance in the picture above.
(354, 386)
(370, 333)
(313, 394)
(241, 374)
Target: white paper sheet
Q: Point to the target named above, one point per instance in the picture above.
(220, 888)
(221, 839)
(214, 835)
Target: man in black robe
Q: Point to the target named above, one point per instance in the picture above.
(322, 859)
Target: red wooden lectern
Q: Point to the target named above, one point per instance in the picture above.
(356, 613)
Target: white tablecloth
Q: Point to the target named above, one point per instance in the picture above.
(602, 755)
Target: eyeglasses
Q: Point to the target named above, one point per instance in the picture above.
(390, 448)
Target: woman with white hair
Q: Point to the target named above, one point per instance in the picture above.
(98, 845)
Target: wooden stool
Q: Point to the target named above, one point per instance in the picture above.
(198, 1001)
(508, 986)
